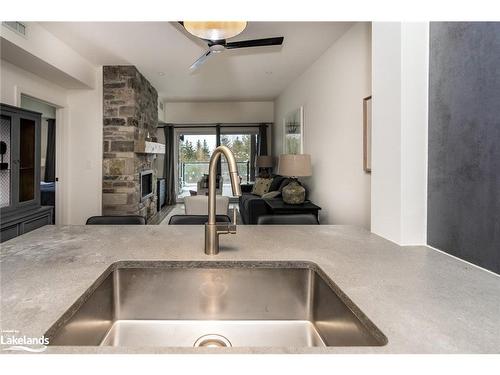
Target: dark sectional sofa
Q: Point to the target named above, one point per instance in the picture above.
(252, 206)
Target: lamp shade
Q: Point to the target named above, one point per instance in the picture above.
(264, 161)
(295, 165)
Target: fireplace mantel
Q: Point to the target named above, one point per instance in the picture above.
(149, 148)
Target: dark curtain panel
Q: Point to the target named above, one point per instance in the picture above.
(50, 157)
(169, 166)
(253, 154)
(262, 139)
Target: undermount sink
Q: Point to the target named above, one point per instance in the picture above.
(214, 304)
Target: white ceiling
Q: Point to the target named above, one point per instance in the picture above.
(163, 53)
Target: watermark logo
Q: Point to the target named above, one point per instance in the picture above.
(14, 342)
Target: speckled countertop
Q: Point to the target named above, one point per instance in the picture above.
(422, 300)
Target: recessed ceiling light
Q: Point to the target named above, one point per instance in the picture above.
(161, 74)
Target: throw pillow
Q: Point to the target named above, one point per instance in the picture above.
(277, 180)
(261, 186)
(271, 195)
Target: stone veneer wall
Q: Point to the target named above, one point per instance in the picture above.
(130, 113)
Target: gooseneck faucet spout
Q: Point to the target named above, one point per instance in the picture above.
(212, 229)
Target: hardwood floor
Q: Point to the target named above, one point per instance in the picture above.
(160, 216)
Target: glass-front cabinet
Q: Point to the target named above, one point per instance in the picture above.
(6, 162)
(20, 209)
(20, 145)
(27, 160)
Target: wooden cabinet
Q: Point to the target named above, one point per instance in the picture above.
(20, 207)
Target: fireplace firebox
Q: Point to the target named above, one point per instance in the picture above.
(146, 178)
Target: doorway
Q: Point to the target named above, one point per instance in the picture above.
(47, 150)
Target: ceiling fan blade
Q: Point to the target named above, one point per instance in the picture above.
(201, 60)
(255, 43)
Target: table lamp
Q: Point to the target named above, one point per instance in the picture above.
(294, 166)
(264, 163)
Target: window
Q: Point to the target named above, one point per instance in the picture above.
(196, 145)
(194, 151)
(244, 147)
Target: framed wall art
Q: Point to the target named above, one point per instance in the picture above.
(293, 132)
(367, 134)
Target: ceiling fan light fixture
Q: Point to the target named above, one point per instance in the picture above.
(215, 30)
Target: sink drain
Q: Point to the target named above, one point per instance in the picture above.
(212, 341)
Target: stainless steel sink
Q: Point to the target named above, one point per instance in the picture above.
(214, 304)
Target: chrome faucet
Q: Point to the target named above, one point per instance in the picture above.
(212, 228)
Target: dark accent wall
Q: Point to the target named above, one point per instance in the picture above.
(464, 141)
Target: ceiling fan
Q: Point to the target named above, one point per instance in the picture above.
(216, 33)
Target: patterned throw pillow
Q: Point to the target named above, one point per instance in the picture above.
(261, 186)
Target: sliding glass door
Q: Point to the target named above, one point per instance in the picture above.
(195, 147)
(194, 150)
(243, 144)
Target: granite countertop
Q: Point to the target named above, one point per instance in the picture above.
(424, 301)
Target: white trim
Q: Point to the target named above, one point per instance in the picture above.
(426, 133)
(400, 70)
(462, 260)
(61, 213)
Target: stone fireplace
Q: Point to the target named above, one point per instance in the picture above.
(130, 112)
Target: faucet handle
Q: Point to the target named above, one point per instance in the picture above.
(226, 228)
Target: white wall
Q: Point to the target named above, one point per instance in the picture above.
(159, 163)
(85, 152)
(414, 115)
(218, 112)
(15, 80)
(42, 53)
(399, 136)
(79, 139)
(331, 92)
(386, 131)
